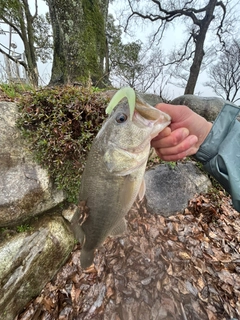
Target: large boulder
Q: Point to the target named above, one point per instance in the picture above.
(168, 189)
(29, 260)
(151, 98)
(207, 107)
(26, 189)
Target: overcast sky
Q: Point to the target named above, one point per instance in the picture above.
(45, 69)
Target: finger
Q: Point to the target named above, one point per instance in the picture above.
(178, 156)
(173, 139)
(184, 146)
(164, 133)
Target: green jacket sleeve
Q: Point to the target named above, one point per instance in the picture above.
(220, 152)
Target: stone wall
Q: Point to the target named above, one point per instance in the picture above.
(29, 203)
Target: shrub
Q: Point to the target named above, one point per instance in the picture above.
(60, 124)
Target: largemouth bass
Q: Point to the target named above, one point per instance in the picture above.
(113, 175)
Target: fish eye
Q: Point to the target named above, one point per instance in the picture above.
(121, 118)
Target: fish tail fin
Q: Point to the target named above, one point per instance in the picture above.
(86, 258)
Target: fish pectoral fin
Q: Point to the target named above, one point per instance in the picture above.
(142, 190)
(119, 228)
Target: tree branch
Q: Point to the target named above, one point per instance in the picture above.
(219, 29)
(12, 26)
(169, 14)
(36, 10)
(183, 56)
(14, 60)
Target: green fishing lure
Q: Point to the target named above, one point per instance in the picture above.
(127, 92)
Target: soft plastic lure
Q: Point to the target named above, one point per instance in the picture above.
(127, 92)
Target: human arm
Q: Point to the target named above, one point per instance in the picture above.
(220, 152)
(217, 146)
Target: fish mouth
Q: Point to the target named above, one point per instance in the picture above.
(149, 117)
(149, 112)
(136, 156)
(156, 120)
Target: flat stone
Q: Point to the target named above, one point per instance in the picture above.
(168, 190)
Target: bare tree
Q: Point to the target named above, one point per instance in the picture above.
(197, 15)
(224, 74)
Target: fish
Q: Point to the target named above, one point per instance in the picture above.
(113, 176)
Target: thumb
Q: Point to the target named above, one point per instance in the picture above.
(177, 113)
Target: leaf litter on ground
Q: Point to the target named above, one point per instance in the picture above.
(183, 267)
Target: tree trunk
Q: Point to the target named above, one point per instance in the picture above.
(28, 40)
(79, 41)
(199, 51)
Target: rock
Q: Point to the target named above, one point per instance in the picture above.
(29, 260)
(168, 190)
(207, 107)
(108, 94)
(151, 99)
(25, 188)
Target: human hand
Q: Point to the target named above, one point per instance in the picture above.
(183, 136)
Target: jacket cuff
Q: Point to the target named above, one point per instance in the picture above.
(221, 126)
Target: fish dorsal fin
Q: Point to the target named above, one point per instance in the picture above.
(142, 190)
(125, 92)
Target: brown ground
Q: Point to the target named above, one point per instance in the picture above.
(183, 267)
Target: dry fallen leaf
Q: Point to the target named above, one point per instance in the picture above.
(184, 267)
